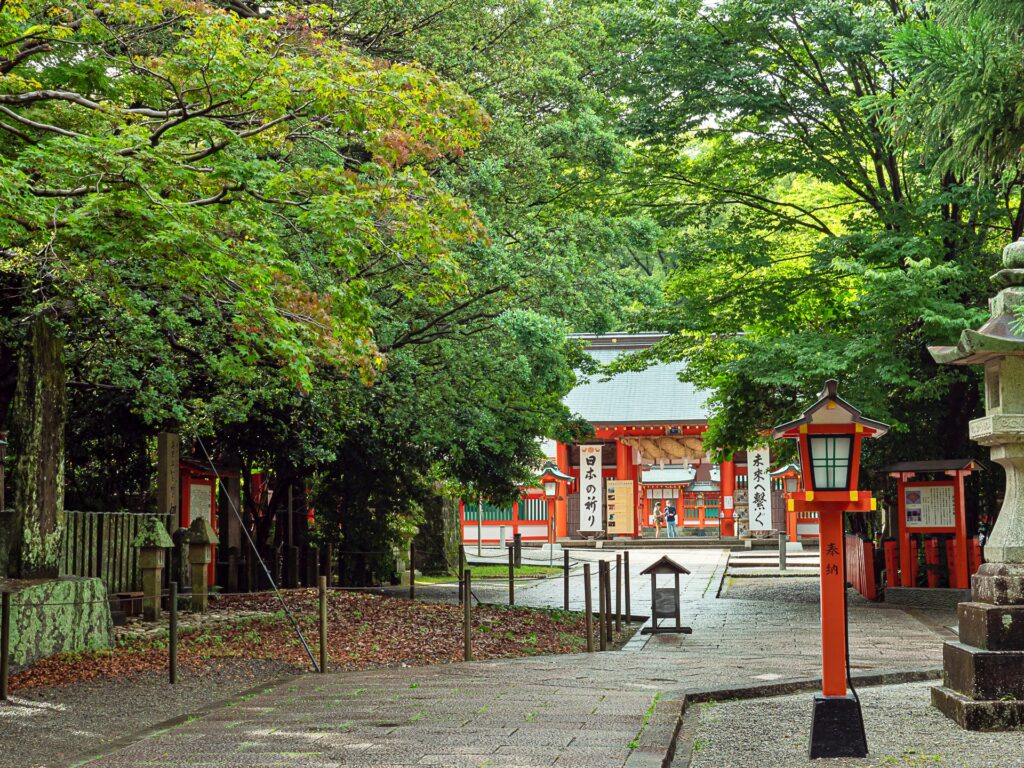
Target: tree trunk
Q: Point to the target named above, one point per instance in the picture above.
(437, 544)
(38, 413)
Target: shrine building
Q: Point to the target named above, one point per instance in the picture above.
(647, 449)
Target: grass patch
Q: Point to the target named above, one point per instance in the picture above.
(635, 743)
(494, 572)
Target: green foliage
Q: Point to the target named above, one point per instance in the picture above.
(806, 236)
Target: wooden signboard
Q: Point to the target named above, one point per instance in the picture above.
(619, 503)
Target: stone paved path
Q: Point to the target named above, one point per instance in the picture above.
(582, 709)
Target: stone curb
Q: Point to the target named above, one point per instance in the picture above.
(682, 746)
(157, 728)
(670, 706)
(810, 684)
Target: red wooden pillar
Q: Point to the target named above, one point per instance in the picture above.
(562, 502)
(833, 621)
(892, 563)
(958, 577)
(908, 551)
(638, 512)
(974, 555)
(914, 565)
(931, 559)
(727, 482)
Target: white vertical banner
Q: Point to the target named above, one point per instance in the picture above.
(759, 486)
(591, 496)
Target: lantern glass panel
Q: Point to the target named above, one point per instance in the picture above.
(830, 460)
(549, 488)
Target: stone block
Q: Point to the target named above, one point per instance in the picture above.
(999, 584)
(981, 674)
(992, 627)
(975, 715)
(52, 616)
(837, 728)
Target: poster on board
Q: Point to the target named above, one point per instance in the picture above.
(621, 514)
(591, 497)
(930, 506)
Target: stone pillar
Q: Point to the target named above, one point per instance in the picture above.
(201, 537)
(153, 542)
(983, 680)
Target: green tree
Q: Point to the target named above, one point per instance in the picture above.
(807, 236)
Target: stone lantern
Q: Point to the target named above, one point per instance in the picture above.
(201, 537)
(984, 671)
(152, 542)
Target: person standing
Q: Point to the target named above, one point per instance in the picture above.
(670, 521)
(658, 520)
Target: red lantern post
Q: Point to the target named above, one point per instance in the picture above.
(829, 436)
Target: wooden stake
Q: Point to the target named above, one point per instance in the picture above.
(467, 616)
(323, 624)
(618, 593)
(601, 587)
(5, 642)
(625, 576)
(511, 577)
(589, 608)
(565, 579)
(412, 570)
(172, 646)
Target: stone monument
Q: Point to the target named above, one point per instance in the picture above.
(983, 672)
(201, 537)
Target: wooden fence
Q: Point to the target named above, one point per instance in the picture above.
(99, 544)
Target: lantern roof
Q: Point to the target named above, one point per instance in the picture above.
(664, 565)
(997, 337)
(550, 469)
(830, 409)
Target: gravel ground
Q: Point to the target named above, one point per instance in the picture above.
(789, 589)
(52, 726)
(903, 729)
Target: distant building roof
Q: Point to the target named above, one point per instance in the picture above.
(652, 396)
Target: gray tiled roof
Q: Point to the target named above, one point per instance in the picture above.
(655, 395)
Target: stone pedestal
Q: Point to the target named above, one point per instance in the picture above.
(983, 673)
(152, 541)
(201, 538)
(151, 561)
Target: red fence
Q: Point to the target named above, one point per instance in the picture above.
(860, 566)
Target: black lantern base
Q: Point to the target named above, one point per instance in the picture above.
(837, 728)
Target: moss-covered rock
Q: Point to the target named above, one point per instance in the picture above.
(54, 616)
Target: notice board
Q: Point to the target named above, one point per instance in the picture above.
(619, 500)
(930, 506)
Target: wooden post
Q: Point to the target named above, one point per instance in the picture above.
(602, 639)
(654, 601)
(467, 616)
(679, 620)
(5, 642)
(588, 616)
(462, 568)
(833, 604)
(517, 544)
(608, 600)
(565, 579)
(618, 593)
(625, 576)
(172, 645)
(323, 625)
(511, 576)
(412, 570)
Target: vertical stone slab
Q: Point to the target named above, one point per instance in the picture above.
(38, 413)
(168, 478)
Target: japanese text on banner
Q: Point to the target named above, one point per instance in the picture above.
(759, 483)
(591, 496)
